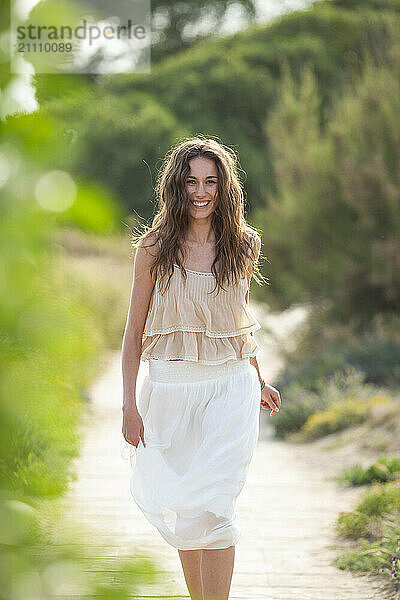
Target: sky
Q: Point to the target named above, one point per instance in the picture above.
(267, 10)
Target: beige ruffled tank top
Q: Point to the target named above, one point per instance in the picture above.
(188, 323)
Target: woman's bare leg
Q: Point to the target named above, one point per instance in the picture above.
(191, 562)
(216, 573)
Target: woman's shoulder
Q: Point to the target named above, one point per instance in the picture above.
(149, 242)
(147, 250)
(148, 239)
(253, 238)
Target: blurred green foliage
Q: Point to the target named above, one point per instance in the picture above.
(126, 144)
(383, 469)
(325, 347)
(337, 196)
(390, 5)
(177, 25)
(295, 99)
(224, 87)
(340, 415)
(336, 390)
(372, 552)
(381, 499)
(36, 563)
(374, 525)
(55, 328)
(299, 404)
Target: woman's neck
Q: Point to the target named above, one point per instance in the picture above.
(200, 236)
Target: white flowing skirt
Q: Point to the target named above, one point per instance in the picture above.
(201, 426)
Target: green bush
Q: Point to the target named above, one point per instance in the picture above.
(340, 415)
(377, 506)
(377, 533)
(301, 403)
(119, 144)
(375, 524)
(382, 470)
(352, 525)
(371, 554)
(384, 498)
(324, 348)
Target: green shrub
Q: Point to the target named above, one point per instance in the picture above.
(384, 498)
(299, 403)
(325, 347)
(352, 525)
(376, 505)
(382, 470)
(340, 415)
(375, 524)
(368, 556)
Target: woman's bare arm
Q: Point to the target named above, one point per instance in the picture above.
(270, 396)
(253, 359)
(142, 288)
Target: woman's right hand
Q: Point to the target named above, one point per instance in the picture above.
(132, 426)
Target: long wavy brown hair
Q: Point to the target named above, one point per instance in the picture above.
(235, 254)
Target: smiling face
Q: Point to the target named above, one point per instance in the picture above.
(202, 187)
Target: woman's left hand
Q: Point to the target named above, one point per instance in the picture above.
(270, 398)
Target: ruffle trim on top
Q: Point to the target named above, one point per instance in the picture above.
(226, 322)
(196, 346)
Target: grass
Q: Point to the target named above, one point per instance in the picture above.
(382, 470)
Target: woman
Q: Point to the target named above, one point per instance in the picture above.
(195, 424)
